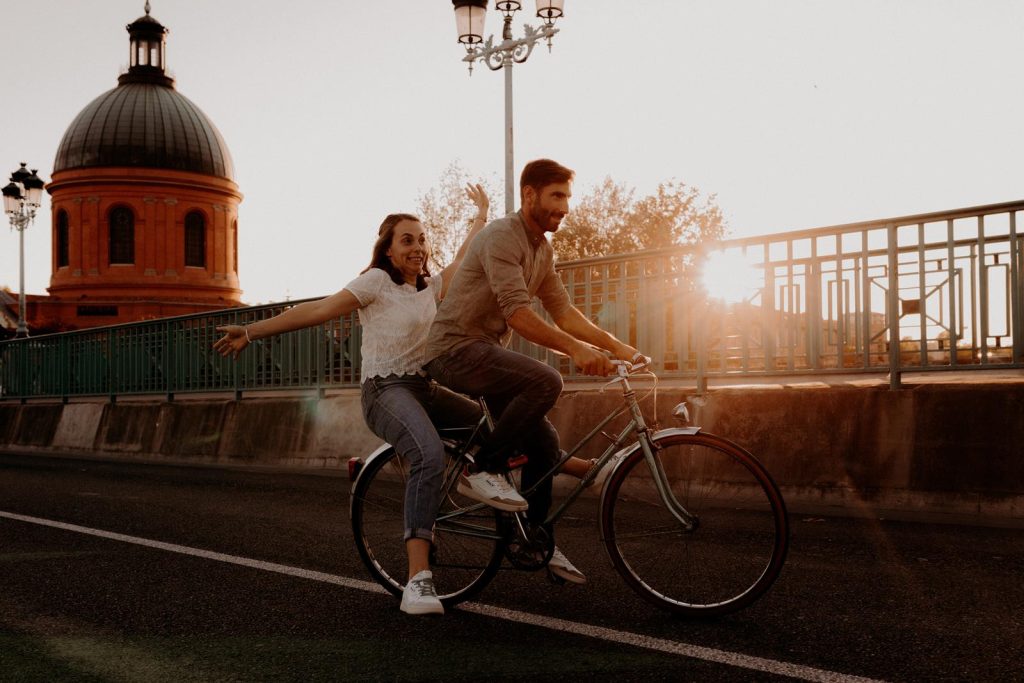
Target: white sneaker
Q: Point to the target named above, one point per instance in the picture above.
(419, 596)
(608, 468)
(493, 490)
(560, 566)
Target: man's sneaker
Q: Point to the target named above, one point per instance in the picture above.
(419, 596)
(493, 490)
(560, 566)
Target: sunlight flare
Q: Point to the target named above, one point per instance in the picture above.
(732, 276)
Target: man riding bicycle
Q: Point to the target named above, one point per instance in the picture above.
(509, 263)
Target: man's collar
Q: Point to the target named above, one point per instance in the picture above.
(531, 235)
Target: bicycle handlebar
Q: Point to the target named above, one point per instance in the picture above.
(624, 368)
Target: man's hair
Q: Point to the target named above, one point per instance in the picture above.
(540, 173)
(380, 258)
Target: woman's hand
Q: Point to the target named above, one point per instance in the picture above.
(478, 196)
(233, 341)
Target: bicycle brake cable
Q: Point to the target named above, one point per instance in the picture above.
(654, 390)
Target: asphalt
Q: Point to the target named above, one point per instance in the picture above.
(873, 598)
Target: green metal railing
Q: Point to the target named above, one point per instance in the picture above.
(175, 355)
(932, 292)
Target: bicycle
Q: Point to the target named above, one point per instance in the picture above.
(691, 521)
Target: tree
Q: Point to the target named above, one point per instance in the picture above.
(447, 214)
(588, 228)
(610, 221)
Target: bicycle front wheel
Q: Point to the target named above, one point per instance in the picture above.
(468, 545)
(734, 549)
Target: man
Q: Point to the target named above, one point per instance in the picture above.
(509, 263)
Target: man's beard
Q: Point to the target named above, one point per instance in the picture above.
(543, 218)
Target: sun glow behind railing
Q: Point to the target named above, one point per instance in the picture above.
(732, 276)
(938, 291)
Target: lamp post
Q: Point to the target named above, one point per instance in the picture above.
(469, 20)
(22, 196)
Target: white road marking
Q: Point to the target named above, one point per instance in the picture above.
(736, 659)
(205, 554)
(707, 654)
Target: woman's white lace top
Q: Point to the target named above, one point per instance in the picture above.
(395, 320)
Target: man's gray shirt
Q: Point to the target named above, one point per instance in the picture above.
(502, 271)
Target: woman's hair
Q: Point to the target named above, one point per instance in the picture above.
(380, 258)
(540, 173)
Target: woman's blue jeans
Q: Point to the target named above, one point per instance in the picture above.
(519, 392)
(403, 410)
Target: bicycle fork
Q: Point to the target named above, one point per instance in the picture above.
(689, 521)
(650, 448)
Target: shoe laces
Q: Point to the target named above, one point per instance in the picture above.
(423, 588)
(501, 484)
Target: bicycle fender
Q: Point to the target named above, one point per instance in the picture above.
(384, 447)
(660, 434)
(620, 456)
(673, 431)
(380, 449)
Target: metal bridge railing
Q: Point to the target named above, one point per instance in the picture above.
(175, 356)
(931, 292)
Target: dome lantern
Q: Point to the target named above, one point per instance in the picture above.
(147, 52)
(144, 121)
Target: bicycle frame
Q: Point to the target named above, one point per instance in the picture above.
(637, 429)
(650, 514)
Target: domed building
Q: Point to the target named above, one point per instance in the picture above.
(144, 202)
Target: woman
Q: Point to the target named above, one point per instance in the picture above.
(397, 299)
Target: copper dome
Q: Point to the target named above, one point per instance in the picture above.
(144, 124)
(144, 121)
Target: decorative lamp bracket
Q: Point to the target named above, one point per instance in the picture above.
(508, 51)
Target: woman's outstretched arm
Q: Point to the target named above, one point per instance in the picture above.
(237, 337)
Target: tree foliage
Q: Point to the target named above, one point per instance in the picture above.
(447, 214)
(610, 220)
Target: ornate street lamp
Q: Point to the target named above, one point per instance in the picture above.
(469, 21)
(22, 196)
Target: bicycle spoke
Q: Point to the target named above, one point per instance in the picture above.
(736, 548)
(467, 542)
(666, 531)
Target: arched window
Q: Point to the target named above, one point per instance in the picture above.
(62, 239)
(122, 235)
(195, 239)
(234, 246)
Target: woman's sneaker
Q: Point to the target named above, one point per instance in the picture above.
(492, 489)
(560, 566)
(419, 596)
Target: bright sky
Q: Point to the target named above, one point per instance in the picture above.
(796, 114)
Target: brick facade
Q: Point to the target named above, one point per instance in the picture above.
(91, 291)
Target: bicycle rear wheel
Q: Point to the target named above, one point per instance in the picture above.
(468, 544)
(734, 552)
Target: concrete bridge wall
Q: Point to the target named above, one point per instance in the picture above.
(952, 451)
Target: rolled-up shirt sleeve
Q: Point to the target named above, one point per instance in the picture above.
(501, 259)
(552, 294)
